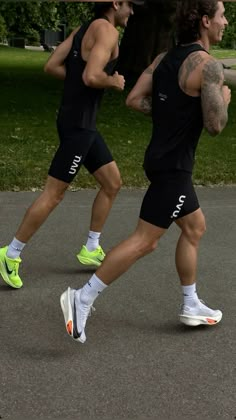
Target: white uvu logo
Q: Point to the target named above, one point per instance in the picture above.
(179, 206)
(75, 164)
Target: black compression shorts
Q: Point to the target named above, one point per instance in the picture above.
(78, 147)
(169, 197)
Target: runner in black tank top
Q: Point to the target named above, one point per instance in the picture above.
(86, 61)
(80, 103)
(177, 128)
(182, 90)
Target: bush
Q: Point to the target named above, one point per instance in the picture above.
(3, 28)
(32, 38)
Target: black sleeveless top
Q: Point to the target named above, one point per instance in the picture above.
(80, 103)
(177, 117)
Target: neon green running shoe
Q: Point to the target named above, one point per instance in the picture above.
(9, 269)
(95, 257)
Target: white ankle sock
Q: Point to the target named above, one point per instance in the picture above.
(93, 240)
(15, 248)
(190, 295)
(91, 290)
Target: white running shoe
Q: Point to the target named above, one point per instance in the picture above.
(75, 314)
(199, 315)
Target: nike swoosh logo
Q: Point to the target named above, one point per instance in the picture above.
(7, 269)
(99, 259)
(76, 333)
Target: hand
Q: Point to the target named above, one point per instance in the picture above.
(119, 81)
(226, 92)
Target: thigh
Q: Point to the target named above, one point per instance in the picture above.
(188, 201)
(71, 154)
(147, 232)
(98, 154)
(168, 198)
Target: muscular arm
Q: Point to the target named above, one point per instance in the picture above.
(106, 39)
(55, 64)
(140, 97)
(214, 106)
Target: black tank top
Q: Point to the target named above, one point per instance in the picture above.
(177, 117)
(80, 103)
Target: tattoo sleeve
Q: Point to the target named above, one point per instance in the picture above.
(146, 105)
(215, 110)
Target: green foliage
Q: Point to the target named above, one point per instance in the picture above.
(26, 18)
(74, 14)
(229, 39)
(3, 28)
(33, 37)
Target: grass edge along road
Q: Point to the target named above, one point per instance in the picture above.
(29, 101)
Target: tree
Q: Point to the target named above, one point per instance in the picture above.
(73, 14)
(3, 28)
(149, 31)
(229, 39)
(27, 19)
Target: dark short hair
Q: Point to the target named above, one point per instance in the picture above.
(189, 14)
(101, 7)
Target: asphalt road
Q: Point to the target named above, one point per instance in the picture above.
(138, 361)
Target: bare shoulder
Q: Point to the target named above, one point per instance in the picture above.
(158, 59)
(101, 28)
(150, 69)
(75, 31)
(193, 63)
(190, 72)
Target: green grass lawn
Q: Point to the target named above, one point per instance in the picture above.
(29, 101)
(220, 53)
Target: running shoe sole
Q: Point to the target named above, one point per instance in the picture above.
(88, 261)
(66, 308)
(194, 321)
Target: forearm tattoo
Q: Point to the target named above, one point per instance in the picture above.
(215, 110)
(146, 105)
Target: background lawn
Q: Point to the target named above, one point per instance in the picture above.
(29, 101)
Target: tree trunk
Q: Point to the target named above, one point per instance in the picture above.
(149, 32)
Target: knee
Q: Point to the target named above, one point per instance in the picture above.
(52, 199)
(196, 233)
(145, 247)
(114, 186)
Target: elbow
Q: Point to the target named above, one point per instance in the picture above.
(214, 124)
(89, 80)
(213, 131)
(130, 101)
(47, 68)
(216, 129)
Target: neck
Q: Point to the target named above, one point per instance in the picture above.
(105, 17)
(203, 44)
(109, 17)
